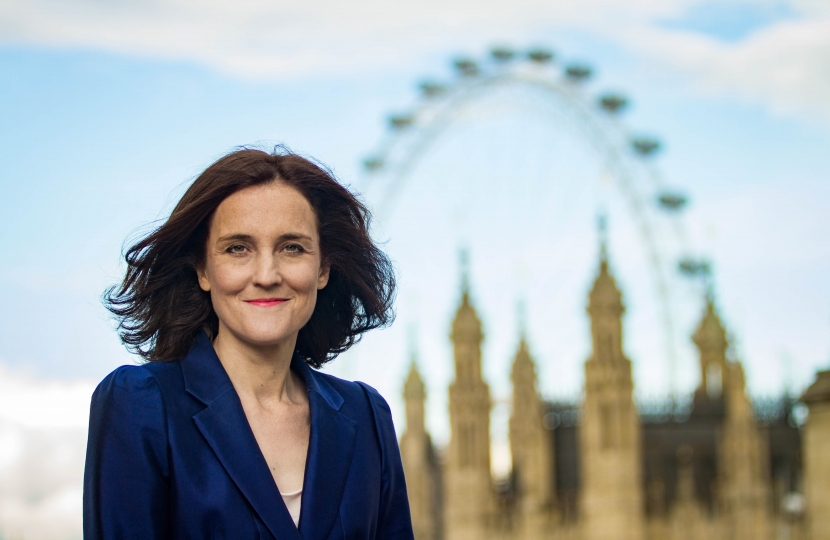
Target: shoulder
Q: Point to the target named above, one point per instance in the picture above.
(353, 393)
(363, 403)
(137, 383)
(382, 415)
(127, 423)
(376, 401)
(127, 380)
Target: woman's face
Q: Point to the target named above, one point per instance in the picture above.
(263, 264)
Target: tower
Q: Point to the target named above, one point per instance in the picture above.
(530, 447)
(743, 461)
(469, 493)
(419, 461)
(612, 493)
(744, 483)
(816, 458)
(710, 339)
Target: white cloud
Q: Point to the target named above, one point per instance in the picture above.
(786, 67)
(783, 66)
(43, 405)
(43, 429)
(253, 37)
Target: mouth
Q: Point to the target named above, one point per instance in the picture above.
(266, 302)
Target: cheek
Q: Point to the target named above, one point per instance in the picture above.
(227, 279)
(303, 279)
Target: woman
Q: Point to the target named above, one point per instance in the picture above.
(264, 270)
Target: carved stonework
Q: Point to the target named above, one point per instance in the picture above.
(604, 470)
(469, 494)
(817, 457)
(612, 490)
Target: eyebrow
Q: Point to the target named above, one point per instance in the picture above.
(248, 238)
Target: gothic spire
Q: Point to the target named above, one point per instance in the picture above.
(521, 318)
(711, 334)
(466, 326)
(605, 296)
(710, 339)
(602, 230)
(413, 388)
(464, 266)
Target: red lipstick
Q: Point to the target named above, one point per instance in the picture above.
(266, 302)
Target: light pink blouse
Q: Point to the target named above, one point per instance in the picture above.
(293, 501)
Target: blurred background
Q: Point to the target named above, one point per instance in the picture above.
(498, 144)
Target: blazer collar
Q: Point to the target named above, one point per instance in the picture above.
(330, 450)
(225, 427)
(316, 382)
(206, 379)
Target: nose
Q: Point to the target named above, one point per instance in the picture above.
(267, 271)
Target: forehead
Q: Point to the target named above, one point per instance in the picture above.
(269, 209)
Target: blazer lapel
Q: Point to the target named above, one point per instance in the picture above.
(329, 455)
(225, 428)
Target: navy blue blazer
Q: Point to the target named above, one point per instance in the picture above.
(171, 456)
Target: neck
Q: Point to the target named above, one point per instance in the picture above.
(261, 372)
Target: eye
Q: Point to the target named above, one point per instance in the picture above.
(236, 248)
(294, 248)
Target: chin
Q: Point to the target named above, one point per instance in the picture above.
(267, 336)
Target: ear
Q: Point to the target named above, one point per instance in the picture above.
(323, 277)
(204, 282)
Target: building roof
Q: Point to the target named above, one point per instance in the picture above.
(819, 391)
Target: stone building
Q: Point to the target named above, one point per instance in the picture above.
(720, 467)
(817, 463)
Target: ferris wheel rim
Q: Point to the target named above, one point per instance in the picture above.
(568, 91)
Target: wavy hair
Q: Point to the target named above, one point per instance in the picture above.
(160, 307)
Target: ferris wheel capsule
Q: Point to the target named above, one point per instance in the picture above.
(432, 89)
(466, 67)
(672, 201)
(502, 54)
(401, 121)
(372, 164)
(613, 103)
(693, 267)
(645, 146)
(540, 56)
(578, 73)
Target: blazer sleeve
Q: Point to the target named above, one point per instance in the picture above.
(126, 472)
(394, 520)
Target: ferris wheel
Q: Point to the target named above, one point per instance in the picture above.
(629, 161)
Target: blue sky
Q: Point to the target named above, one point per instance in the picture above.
(730, 21)
(109, 111)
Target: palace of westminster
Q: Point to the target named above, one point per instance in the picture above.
(727, 470)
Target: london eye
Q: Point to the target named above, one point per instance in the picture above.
(510, 125)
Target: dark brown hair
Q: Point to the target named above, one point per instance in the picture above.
(160, 307)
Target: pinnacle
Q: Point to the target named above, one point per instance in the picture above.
(605, 293)
(414, 385)
(466, 325)
(710, 333)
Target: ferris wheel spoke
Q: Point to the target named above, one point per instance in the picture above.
(655, 208)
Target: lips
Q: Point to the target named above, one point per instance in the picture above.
(266, 302)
